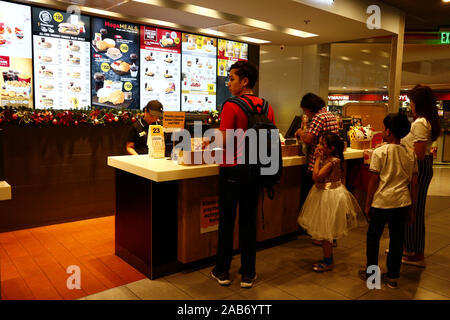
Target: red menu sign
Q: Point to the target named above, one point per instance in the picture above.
(160, 65)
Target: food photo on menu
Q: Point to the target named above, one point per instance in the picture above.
(115, 64)
(198, 77)
(228, 52)
(160, 65)
(61, 59)
(16, 65)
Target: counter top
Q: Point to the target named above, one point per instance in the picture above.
(5, 191)
(160, 170)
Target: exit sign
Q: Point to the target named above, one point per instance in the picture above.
(445, 37)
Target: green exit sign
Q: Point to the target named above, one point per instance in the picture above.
(445, 37)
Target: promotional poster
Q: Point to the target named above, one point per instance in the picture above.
(61, 59)
(160, 65)
(198, 78)
(16, 64)
(115, 64)
(228, 53)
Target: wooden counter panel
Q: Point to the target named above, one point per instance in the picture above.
(193, 245)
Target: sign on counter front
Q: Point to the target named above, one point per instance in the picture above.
(209, 214)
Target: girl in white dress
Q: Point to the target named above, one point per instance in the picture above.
(329, 210)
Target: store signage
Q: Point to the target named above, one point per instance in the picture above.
(338, 98)
(445, 37)
(209, 214)
(402, 97)
(173, 119)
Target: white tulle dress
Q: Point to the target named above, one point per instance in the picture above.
(330, 210)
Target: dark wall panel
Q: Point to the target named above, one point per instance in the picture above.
(59, 174)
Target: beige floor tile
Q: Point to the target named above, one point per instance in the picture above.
(159, 289)
(266, 292)
(441, 256)
(199, 286)
(411, 279)
(304, 289)
(235, 296)
(438, 270)
(119, 293)
(349, 286)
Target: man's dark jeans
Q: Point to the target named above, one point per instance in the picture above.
(396, 218)
(237, 185)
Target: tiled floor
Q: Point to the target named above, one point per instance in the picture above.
(33, 263)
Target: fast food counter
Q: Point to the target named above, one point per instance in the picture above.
(162, 210)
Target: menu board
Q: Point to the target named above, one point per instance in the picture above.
(198, 78)
(115, 64)
(160, 66)
(61, 59)
(16, 64)
(228, 53)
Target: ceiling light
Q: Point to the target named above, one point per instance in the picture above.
(254, 40)
(445, 1)
(263, 51)
(344, 87)
(345, 58)
(366, 89)
(384, 54)
(367, 62)
(384, 87)
(293, 58)
(267, 61)
(384, 66)
(366, 51)
(212, 13)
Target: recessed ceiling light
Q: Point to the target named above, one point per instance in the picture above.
(367, 62)
(212, 13)
(366, 89)
(384, 54)
(293, 58)
(344, 87)
(384, 66)
(385, 87)
(366, 51)
(445, 1)
(345, 58)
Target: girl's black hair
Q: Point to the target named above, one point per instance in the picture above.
(425, 103)
(333, 140)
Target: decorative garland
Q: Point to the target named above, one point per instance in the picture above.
(93, 116)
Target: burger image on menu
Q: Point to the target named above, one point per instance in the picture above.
(46, 59)
(45, 44)
(113, 53)
(74, 60)
(68, 28)
(73, 47)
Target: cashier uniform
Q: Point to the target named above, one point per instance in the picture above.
(138, 134)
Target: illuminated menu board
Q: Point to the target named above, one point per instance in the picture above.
(16, 65)
(160, 66)
(198, 77)
(115, 64)
(228, 53)
(61, 59)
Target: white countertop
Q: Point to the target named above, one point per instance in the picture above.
(5, 191)
(160, 170)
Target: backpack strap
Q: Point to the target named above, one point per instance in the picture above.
(264, 107)
(244, 106)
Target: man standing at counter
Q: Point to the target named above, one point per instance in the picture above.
(321, 122)
(237, 183)
(137, 136)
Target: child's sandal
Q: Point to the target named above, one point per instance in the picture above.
(322, 267)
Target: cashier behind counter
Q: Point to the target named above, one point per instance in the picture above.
(137, 136)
